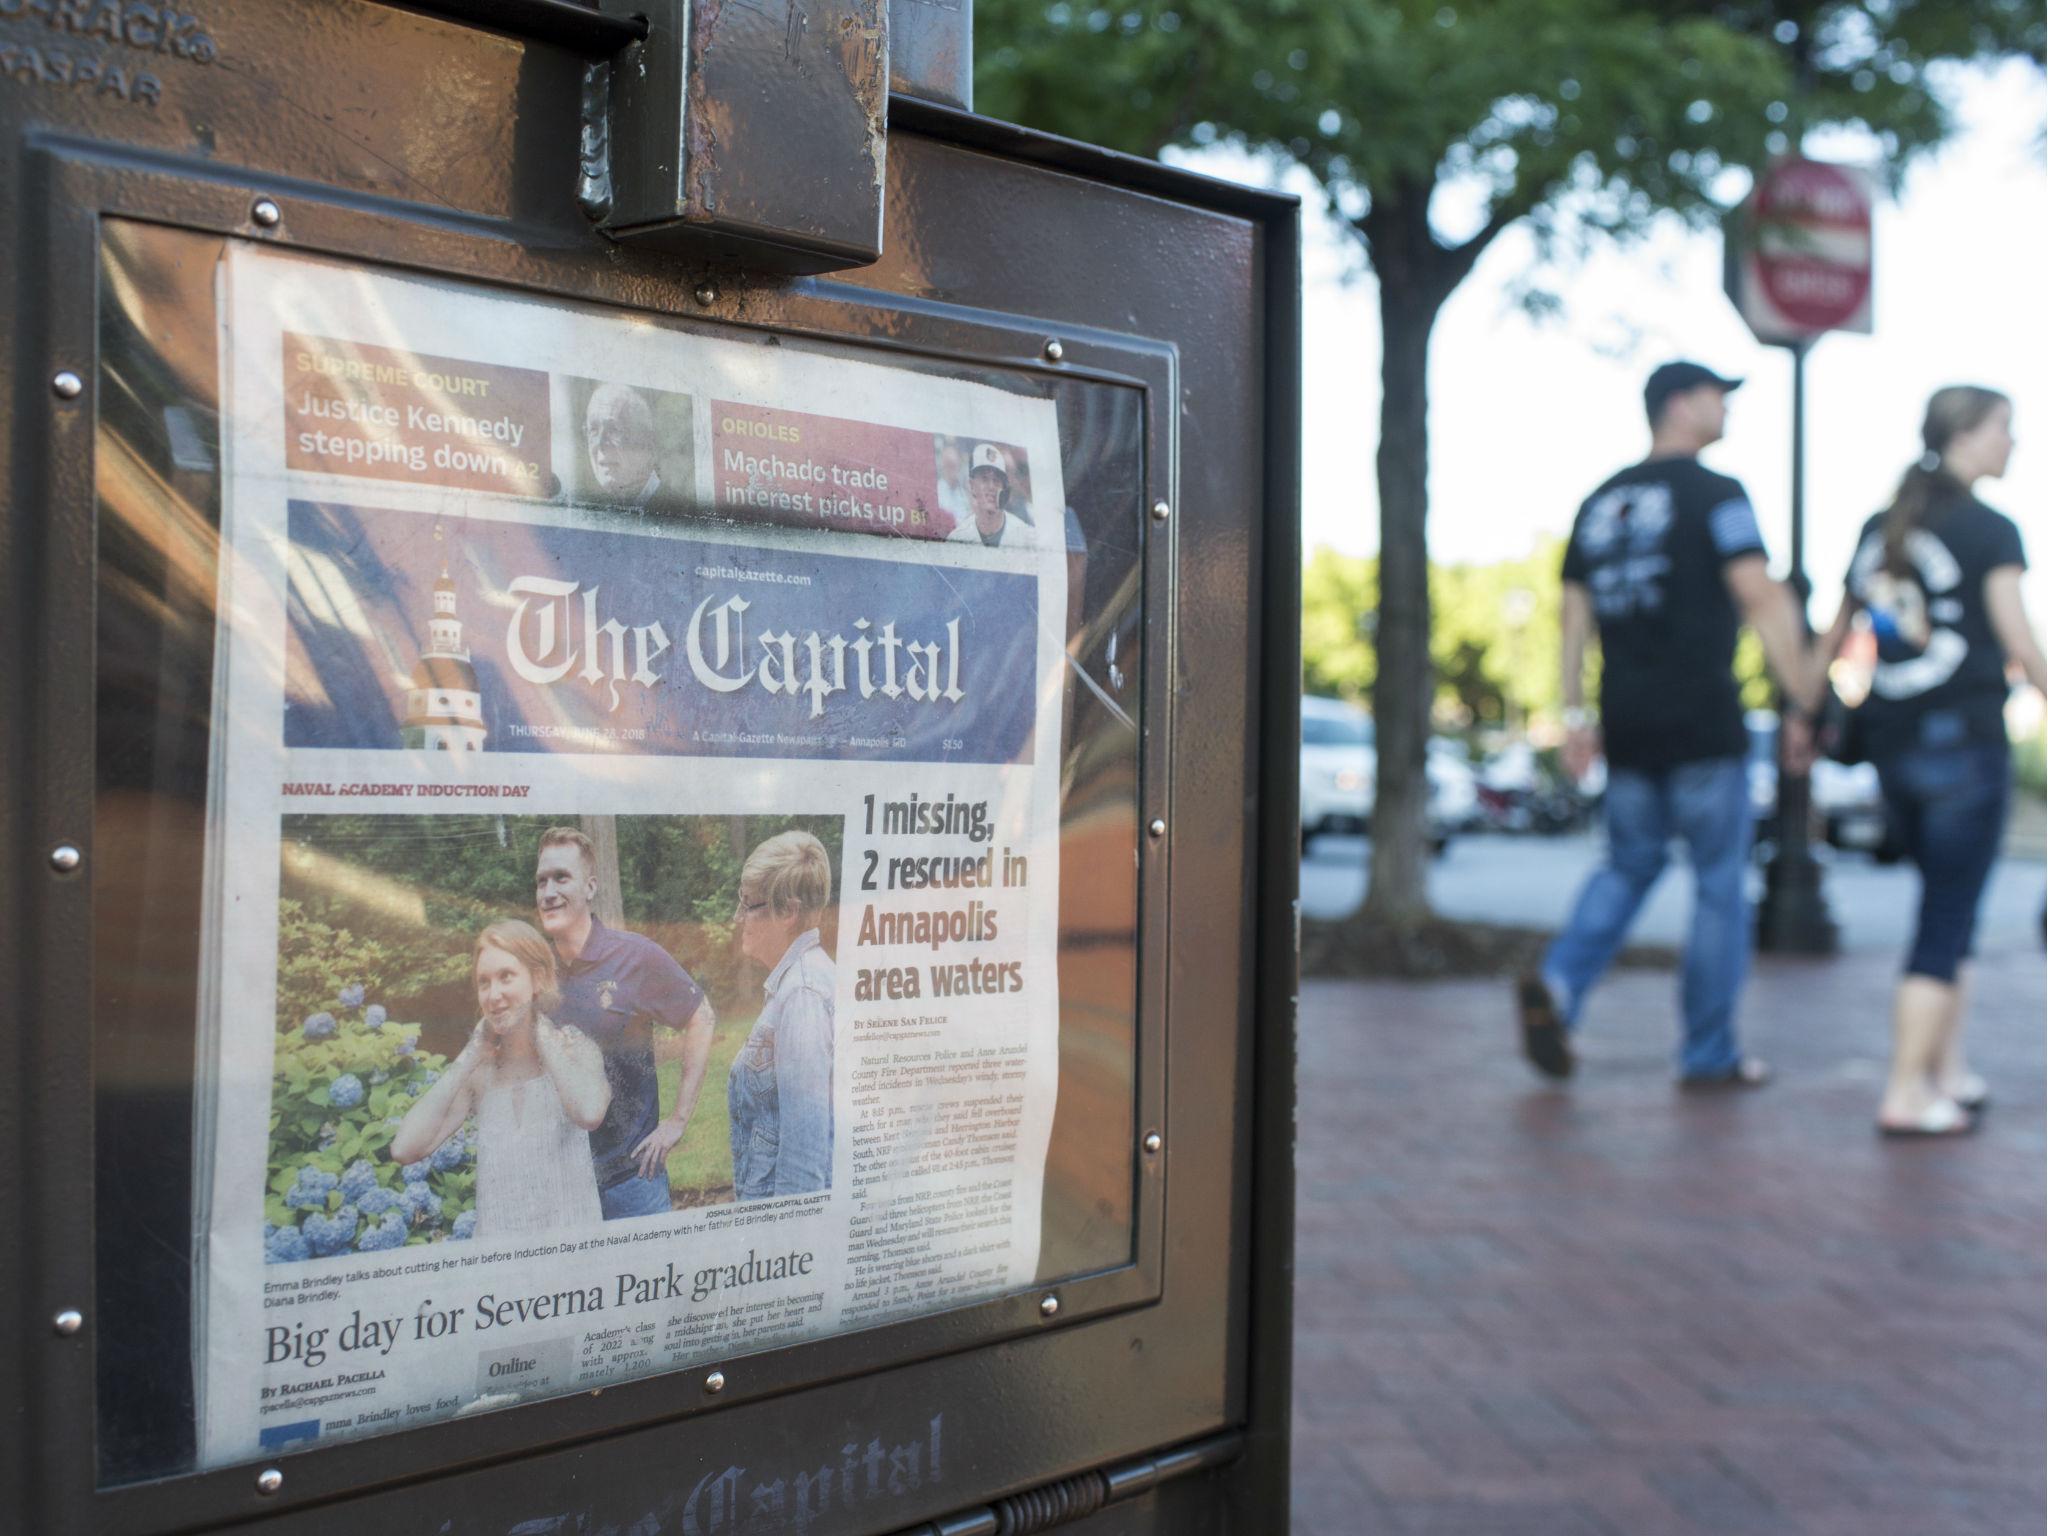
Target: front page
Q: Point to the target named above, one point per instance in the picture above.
(631, 897)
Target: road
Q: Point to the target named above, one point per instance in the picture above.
(1528, 882)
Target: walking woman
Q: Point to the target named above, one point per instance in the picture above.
(780, 1088)
(537, 1091)
(1938, 576)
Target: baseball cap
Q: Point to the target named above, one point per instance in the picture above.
(989, 456)
(1676, 378)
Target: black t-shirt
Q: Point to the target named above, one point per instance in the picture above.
(1940, 677)
(1650, 546)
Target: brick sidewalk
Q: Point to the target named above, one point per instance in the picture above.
(1614, 1310)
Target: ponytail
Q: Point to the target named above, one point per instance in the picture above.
(1922, 486)
(1928, 483)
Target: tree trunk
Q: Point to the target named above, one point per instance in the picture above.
(1411, 292)
(603, 832)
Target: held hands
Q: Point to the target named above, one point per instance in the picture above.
(652, 1153)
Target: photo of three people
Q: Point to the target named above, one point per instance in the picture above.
(588, 1074)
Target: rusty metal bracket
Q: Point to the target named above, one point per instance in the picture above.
(744, 133)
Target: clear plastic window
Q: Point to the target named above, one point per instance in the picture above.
(615, 846)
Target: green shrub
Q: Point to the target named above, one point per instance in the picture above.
(316, 960)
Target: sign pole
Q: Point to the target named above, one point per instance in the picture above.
(1799, 266)
(1797, 574)
(1793, 917)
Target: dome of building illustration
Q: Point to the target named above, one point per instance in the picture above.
(443, 706)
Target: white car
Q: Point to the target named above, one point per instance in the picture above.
(1339, 775)
(1337, 767)
(1453, 790)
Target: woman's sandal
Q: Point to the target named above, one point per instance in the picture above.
(1971, 1092)
(1944, 1117)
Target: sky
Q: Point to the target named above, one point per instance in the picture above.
(1527, 415)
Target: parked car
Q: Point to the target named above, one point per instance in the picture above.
(1337, 767)
(1339, 775)
(1453, 788)
(1848, 804)
(1522, 790)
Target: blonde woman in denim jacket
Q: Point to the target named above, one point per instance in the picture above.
(780, 1087)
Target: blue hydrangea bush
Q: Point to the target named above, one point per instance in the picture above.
(346, 1074)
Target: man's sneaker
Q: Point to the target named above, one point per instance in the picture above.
(1544, 1040)
(1748, 1072)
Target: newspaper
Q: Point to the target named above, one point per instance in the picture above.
(631, 894)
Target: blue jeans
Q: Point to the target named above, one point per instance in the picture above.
(1948, 806)
(636, 1197)
(1706, 805)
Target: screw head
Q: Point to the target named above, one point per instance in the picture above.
(1048, 1306)
(707, 294)
(715, 1382)
(1161, 511)
(1157, 827)
(266, 213)
(68, 1322)
(1053, 350)
(1154, 1141)
(64, 858)
(67, 385)
(269, 1480)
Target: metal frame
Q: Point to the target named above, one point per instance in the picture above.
(566, 23)
(85, 189)
(1130, 1372)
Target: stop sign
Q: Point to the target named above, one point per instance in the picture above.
(1801, 253)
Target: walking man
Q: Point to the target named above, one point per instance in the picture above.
(616, 986)
(1666, 562)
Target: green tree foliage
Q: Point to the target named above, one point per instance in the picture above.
(1495, 641)
(1494, 644)
(316, 960)
(1752, 674)
(1583, 117)
(1336, 625)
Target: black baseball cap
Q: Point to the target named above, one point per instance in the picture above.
(1676, 378)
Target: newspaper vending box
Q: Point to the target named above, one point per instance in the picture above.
(650, 782)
